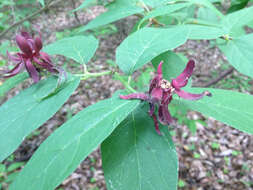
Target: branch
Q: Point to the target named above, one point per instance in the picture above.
(47, 6)
(222, 76)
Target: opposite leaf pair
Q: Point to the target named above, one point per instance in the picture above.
(161, 91)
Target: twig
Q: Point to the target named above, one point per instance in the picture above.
(47, 6)
(222, 76)
(75, 13)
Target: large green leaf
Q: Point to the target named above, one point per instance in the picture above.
(79, 48)
(116, 11)
(142, 46)
(198, 32)
(12, 82)
(232, 108)
(136, 157)
(147, 43)
(237, 19)
(61, 153)
(30, 109)
(164, 10)
(239, 53)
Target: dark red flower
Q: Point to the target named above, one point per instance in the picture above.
(161, 91)
(30, 57)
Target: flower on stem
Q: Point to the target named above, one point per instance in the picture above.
(161, 91)
(31, 57)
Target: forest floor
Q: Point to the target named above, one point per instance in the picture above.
(215, 157)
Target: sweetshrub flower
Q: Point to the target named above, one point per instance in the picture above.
(30, 57)
(161, 91)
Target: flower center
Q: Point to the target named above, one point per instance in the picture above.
(165, 84)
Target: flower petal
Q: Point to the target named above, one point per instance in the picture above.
(182, 79)
(14, 71)
(140, 96)
(25, 34)
(156, 80)
(164, 115)
(190, 96)
(45, 57)
(23, 45)
(156, 95)
(38, 44)
(32, 70)
(15, 58)
(160, 70)
(44, 65)
(156, 124)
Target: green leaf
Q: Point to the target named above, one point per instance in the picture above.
(198, 32)
(85, 4)
(61, 153)
(164, 10)
(237, 5)
(142, 46)
(239, 53)
(237, 19)
(27, 111)
(232, 108)
(207, 4)
(207, 14)
(147, 43)
(79, 48)
(136, 157)
(116, 11)
(12, 82)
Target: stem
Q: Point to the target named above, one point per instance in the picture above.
(125, 83)
(88, 75)
(94, 75)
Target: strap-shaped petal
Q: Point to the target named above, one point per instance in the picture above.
(25, 34)
(24, 45)
(189, 96)
(44, 65)
(156, 124)
(140, 96)
(182, 79)
(32, 70)
(160, 70)
(45, 57)
(14, 71)
(156, 95)
(156, 80)
(164, 115)
(38, 44)
(14, 58)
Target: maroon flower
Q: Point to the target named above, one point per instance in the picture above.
(161, 91)
(30, 57)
